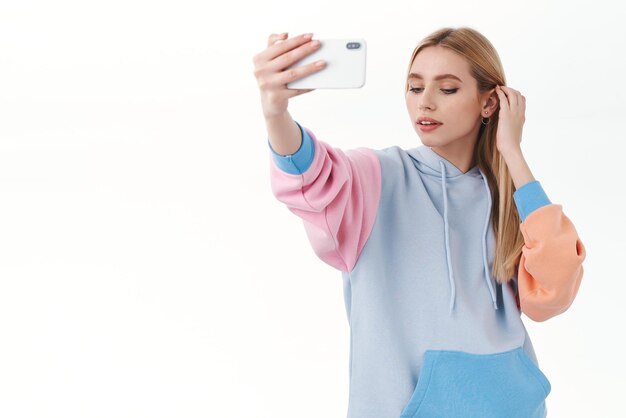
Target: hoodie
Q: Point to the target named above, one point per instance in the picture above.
(432, 334)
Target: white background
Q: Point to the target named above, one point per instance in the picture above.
(146, 269)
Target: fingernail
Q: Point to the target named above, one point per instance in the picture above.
(308, 36)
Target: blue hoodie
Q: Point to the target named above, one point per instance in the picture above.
(432, 334)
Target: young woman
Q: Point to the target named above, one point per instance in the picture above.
(440, 247)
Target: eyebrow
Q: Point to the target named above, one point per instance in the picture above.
(439, 77)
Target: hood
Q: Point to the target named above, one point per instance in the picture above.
(429, 162)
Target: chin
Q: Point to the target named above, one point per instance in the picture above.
(428, 138)
(429, 141)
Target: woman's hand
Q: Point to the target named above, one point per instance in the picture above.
(510, 120)
(271, 73)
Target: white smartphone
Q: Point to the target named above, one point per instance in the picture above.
(345, 65)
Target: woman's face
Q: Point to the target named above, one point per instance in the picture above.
(456, 104)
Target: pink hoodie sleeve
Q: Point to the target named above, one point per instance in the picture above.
(336, 196)
(550, 269)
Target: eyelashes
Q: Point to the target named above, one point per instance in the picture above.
(446, 91)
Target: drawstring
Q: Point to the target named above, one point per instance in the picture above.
(445, 226)
(447, 240)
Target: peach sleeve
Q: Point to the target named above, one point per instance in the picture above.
(550, 269)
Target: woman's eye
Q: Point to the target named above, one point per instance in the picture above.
(446, 91)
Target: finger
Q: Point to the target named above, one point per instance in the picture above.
(275, 38)
(296, 73)
(504, 101)
(507, 91)
(279, 48)
(518, 98)
(513, 96)
(291, 58)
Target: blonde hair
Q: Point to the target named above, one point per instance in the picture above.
(486, 68)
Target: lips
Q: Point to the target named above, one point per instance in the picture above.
(427, 119)
(428, 128)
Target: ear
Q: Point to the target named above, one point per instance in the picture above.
(489, 102)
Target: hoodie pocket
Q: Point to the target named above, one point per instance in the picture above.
(455, 384)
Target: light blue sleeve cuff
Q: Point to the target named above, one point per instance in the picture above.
(299, 161)
(529, 198)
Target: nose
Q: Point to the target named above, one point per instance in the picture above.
(424, 106)
(424, 101)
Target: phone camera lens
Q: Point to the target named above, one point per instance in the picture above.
(353, 45)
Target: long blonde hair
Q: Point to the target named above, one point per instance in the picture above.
(486, 68)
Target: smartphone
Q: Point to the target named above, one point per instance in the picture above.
(345, 65)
